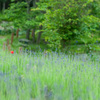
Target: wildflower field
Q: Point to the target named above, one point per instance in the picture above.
(54, 76)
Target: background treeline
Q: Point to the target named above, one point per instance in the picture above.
(57, 21)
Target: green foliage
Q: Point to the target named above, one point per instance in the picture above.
(95, 8)
(18, 17)
(3, 0)
(62, 20)
(89, 28)
(66, 20)
(16, 14)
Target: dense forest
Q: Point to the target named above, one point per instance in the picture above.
(57, 21)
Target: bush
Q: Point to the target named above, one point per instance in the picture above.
(68, 21)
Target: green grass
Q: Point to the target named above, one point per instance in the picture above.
(16, 44)
(73, 47)
(54, 76)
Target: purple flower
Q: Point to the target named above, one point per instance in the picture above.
(76, 41)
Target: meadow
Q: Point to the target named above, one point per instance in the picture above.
(51, 76)
(60, 44)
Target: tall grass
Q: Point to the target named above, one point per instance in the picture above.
(35, 76)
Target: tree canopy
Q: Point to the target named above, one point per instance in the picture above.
(61, 20)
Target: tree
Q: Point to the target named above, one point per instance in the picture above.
(64, 20)
(4, 4)
(58, 21)
(28, 12)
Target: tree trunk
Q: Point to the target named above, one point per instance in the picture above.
(39, 35)
(12, 37)
(17, 33)
(27, 34)
(28, 12)
(0, 6)
(33, 31)
(34, 3)
(33, 35)
(4, 6)
(28, 8)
